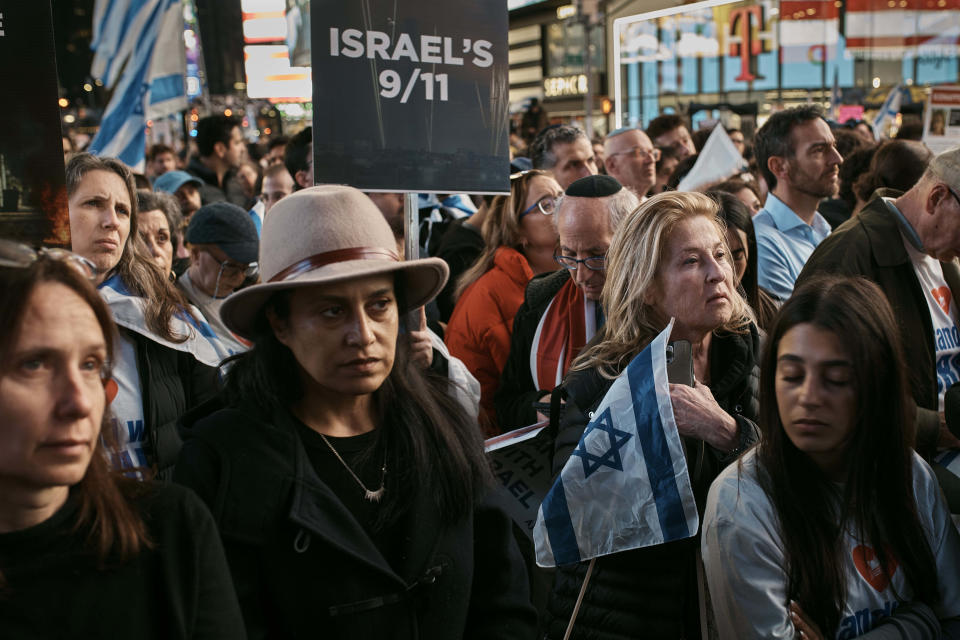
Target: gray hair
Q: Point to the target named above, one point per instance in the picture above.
(619, 206)
(168, 206)
(541, 149)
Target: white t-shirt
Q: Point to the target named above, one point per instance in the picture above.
(943, 314)
(743, 555)
(126, 407)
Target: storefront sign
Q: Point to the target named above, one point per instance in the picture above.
(33, 196)
(565, 86)
(411, 95)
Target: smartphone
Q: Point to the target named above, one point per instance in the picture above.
(680, 362)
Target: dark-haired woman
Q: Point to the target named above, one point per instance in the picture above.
(346, 480)
(165, 353)
(832, 523)
(85, 553)
(743, 254)
(896, 164)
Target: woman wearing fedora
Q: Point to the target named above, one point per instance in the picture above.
(346, 481)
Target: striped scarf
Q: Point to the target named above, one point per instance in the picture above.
(569, 322)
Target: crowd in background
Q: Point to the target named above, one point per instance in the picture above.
(236, 399)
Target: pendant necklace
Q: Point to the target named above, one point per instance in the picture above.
(372, 496)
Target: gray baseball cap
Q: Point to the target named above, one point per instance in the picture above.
(228, 227)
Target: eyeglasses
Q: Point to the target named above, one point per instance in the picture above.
(594, 263)
(230, 268)
(639, 153)
(953, 193)
(546, 204)
(20, 256)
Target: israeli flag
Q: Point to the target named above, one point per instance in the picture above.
(950, 460)
(889, 109)
(128, 312)
(144, 38)
(626, 484)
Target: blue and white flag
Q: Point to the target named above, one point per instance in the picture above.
(128, 312)
(626, 484)
(144, 38)
(950, 460)
(889, 109)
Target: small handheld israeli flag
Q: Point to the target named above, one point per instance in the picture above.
(626, 484)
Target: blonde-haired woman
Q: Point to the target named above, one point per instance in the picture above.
(520, 239)
(668, 259)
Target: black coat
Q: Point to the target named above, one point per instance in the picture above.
(305, 568)
(460, 247)
(651, 592)
(518, 390)
(171, 382)
(178, 588)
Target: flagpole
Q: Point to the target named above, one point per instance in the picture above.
(576, 607)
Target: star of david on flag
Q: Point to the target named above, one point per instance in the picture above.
(609, 458)
(626, 485)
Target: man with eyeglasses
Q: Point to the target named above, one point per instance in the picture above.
(223, 245)
(632, 159)
(908, 244)
(670, 131)
(560, 311)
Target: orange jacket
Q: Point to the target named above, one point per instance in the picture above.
(481, 324)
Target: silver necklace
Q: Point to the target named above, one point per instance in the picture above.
(372, 496)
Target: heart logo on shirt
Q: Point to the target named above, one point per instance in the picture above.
(111, 389)
(867, 563)
(942, 296)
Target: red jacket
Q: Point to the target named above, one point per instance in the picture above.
(481, 324)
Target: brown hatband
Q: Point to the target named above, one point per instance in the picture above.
(330, 257)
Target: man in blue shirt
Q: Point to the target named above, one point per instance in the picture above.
(798, 157)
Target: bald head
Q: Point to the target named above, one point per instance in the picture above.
(631, 159)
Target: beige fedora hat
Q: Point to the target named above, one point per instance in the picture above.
(328, 234)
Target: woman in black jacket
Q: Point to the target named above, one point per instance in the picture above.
(346, 481)
(668, 259)
(166, 354)
(86, 552)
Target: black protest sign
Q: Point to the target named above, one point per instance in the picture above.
(522, 472)
(33, 208)
(411, 95)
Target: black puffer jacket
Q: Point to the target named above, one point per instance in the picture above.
(172, 382)
(652, 592)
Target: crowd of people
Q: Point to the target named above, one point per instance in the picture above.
(235, 409)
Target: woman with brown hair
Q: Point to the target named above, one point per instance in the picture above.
(85, 552)
(166, 353)
(520, 239)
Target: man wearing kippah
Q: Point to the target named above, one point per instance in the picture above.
(224, 244)
(908, 244)
(560, 314)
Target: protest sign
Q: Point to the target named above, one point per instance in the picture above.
(941, 120)
(33, 196)
(521, 466)
(411, 95)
